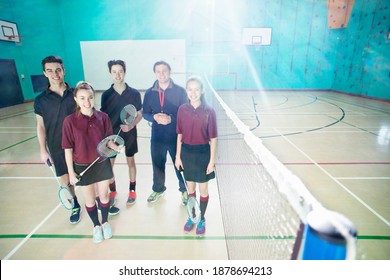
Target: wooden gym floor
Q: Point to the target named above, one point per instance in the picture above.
(339, 145)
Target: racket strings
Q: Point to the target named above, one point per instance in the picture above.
(193, 209)
(105, 150)
(66, 198)
(128, 114)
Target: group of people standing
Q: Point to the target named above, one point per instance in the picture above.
(69, 128)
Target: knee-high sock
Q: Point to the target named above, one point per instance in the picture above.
(104, 207)
(204, 200)
(93, 214)
(112, 187)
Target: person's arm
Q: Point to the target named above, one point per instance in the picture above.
(41, 134)
(147, 109)
(69, 163)
(213, 151)
(127, 128)
(178, 163)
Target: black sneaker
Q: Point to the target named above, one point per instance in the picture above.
(113, 211)
(75, 215)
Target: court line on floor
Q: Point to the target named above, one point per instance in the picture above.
(335, 180)
(362, 178)
(148, 237)
(20, 142)
(172, 237)
(21, 243)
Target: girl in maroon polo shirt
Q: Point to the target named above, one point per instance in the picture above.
(196, 146)
(82, 132)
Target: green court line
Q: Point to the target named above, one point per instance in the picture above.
(156, 237)
(144, 237)
(20, 142)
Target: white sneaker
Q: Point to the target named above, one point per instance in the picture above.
(107, 231)
(97, 234)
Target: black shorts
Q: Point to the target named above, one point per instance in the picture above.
(195, 159)
(131, 144)
(59, 163)
(100, 171)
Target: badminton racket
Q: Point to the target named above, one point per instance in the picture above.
(128, 115)
(64, 194)
(105, 149)
(192, 206)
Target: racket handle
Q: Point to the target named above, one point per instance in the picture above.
(48, 162)
(116, 137)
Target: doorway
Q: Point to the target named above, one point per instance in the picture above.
(10, 88)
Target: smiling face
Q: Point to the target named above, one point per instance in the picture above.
(194, 91)
(85, 101)
(55, 73)
(162, 74)
(117, 74)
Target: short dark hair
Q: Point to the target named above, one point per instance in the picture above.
(116, 62)
(161, 62)
(52, 59)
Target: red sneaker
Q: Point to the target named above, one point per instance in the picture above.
(132, 197)
(113, 198)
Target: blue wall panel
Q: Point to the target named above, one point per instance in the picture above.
(304, 53)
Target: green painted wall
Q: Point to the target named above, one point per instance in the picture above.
(304, 54)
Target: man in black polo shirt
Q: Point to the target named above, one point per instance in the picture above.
(51, 107)
(113, 100)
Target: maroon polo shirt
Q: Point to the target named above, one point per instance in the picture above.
(197, 126)
(83, 133)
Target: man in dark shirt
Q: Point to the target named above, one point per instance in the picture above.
(51, 107)
(113, 101)
(160, 106)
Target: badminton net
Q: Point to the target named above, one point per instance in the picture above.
(264, 206)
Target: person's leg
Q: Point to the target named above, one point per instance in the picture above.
(62, 172)
(189, 225)
(103, 187)
(172, 153)
(90, 205)
(112, 186)
(159, 158)
(204, 200)
(132, 175)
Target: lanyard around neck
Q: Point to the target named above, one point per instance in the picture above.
(161, 94)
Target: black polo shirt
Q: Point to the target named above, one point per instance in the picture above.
(112, 104)
(54, 109)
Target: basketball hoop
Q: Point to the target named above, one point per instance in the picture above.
(256, 41)
(257, 45)
(15, 38)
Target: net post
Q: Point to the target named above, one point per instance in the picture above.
(329, 236)
(298, 242)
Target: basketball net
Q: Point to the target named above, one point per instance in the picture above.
(16, 39)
